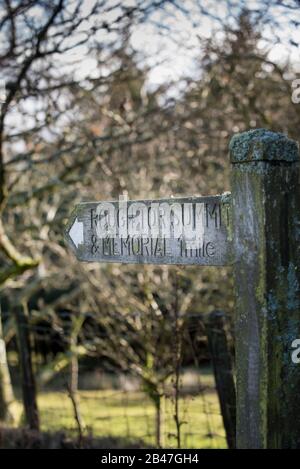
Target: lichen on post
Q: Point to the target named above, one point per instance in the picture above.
(266, 245)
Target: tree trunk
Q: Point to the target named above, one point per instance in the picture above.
(73, 393)
(27, 374)
(159, 422)
(7, 399)
(73, 377)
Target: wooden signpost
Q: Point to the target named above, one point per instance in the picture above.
(190, 230)
(256, 228)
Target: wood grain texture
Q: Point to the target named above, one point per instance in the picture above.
(213, 248)
(266, 233)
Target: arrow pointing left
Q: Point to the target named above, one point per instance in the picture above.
(76, 232)
(207, 218)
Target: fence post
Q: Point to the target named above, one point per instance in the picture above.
(266, 237)
(223, 370)
(26, 366)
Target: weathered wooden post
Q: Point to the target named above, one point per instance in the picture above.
(266, 242)
(223, 370)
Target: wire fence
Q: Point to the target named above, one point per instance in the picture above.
(129, 416)
(115, 409)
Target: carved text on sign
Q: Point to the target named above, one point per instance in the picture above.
(191, 230)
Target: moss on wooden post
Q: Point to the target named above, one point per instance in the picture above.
(266, 237)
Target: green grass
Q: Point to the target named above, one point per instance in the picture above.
(131, 415)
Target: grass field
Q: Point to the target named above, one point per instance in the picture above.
(131, 415)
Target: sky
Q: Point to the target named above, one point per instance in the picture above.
(170, 39)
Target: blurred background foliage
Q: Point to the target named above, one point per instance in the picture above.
(65, 139)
